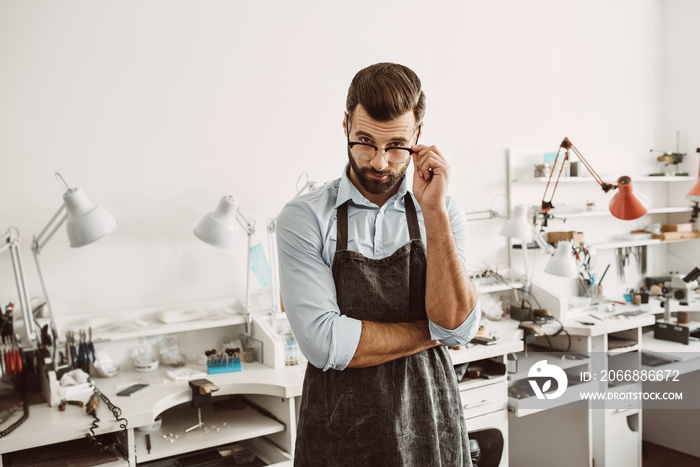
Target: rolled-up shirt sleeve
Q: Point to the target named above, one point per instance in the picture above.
(469, 327)
(326, 338)
(462, 334)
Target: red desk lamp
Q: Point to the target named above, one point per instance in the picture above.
(627, 204)
(694, 195)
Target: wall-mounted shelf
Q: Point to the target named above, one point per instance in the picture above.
(605, 213)
(154, 328)
(484, 289)
(636, 179)
(648, 242)
(146, 322)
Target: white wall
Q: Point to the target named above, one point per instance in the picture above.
(158, 108)
(681, 101)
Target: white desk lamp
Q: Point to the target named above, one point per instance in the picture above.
(85, 223)
(218, 229)
(517, 227)
(308, 186)
(563, 263)
(11, 242)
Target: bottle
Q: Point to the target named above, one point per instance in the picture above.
(512, 363)
(291, 349)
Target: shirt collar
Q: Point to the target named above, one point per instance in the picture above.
(348, 191)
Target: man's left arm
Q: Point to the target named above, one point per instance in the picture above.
(451, 299)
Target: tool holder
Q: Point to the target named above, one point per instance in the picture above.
(202, 390)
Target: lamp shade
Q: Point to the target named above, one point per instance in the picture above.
(86, 222)
(562, 263)
(628, 203)
(694, 194)
(518, 226)
(218, 228)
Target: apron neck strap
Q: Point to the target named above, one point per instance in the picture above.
(342, 227)
(411, 217)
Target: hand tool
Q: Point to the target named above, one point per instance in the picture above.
(83, 362)
(90, 346)
(93, 404)
(72, 350)
(5, 414)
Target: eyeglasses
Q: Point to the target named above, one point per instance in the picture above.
(366, 151)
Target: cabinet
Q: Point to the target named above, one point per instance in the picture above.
(675, 426)
(584, 431)
(484, 401)
(265, 424)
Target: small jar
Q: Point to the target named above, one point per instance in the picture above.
(512, 363)
(541, 170)
(291, 349)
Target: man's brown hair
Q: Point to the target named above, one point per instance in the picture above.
(387, 91)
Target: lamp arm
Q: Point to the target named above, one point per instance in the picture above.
(11, 239)
(54, 325)
(309, 185)
(540, 241)
(38, 243)
(247, 281)
(568, 145)
(274, 265)
(605, 186)
(248, 225)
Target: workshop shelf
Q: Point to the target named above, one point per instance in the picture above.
(223, 427)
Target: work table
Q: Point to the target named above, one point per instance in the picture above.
(48, 425)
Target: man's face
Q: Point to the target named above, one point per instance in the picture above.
(377, 176)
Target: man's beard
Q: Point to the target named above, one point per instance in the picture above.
(376, 187)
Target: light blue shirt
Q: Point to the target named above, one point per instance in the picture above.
(306, 239)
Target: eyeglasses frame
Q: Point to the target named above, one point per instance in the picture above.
(351, 144)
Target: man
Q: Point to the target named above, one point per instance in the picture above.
(372, 309)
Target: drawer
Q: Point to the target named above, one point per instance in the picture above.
(484, 399)
(626, 403)
(623, 446)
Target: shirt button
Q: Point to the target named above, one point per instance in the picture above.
(376, 249)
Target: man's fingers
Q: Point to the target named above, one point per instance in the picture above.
(427, 160)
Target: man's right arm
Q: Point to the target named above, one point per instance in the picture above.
(328, 339)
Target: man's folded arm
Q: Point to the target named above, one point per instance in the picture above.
(328, 339)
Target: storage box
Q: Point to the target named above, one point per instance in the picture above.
(556, 237)
(674, 235)
(685, 227)
(668, 236)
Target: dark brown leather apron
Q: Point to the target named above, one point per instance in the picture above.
(406, 412)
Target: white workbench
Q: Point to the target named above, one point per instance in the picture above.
(47, 425)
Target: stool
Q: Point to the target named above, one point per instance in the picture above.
(202, 390)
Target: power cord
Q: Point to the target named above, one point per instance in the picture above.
(488, 272)
(91, 409)
(542, 317)
(14, 426)
(539, 316)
